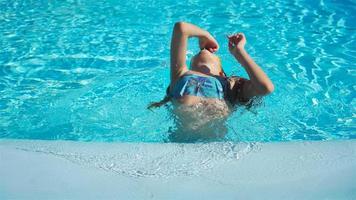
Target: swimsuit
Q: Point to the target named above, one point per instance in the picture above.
(201, 86)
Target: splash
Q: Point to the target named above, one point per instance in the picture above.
(148, 160)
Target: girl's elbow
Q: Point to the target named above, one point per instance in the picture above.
(268, 89)
(265, 89)
(179, 27)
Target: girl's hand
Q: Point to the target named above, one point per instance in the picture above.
(236, 43)
(208, 42)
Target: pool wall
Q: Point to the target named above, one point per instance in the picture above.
(31, 169)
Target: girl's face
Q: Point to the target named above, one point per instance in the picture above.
(206, 62)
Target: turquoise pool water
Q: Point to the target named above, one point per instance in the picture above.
(85, 70)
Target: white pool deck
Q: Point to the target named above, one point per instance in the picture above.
(31, 169)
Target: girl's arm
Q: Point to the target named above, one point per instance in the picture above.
(259, 83)
(181, 32)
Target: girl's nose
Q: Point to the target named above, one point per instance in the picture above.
(204, 51)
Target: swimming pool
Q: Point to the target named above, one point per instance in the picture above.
(86, 70)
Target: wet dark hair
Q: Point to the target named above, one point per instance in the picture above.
(233, 95)
(158, 104)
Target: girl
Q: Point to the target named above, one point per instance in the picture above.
(203, 96)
